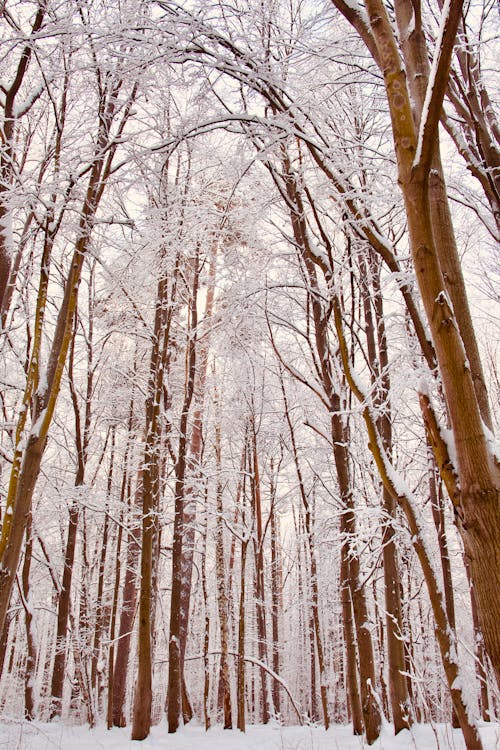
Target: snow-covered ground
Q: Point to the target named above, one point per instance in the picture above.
(39, 736)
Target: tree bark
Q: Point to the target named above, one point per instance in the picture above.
(174, 691)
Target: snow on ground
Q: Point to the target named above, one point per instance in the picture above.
(40, 736)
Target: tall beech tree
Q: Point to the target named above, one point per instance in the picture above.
(437, 266)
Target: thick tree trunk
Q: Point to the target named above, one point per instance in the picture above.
(150, 499)
(175, 676)
(478, 507)
(194, 466)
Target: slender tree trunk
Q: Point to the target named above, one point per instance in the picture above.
(276, 589)
(100, 617)
(260, 606)
(112, 625)
(436, 496)
(125, 495)
(240, 679)
(222, 598)
(445, 636)
(369, 704)
(206, 634)
(63, 615)
(29, 675)
(128, 608)
(379, 363)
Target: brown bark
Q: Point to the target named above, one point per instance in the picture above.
(276, 591)
(353, 694)
(63, 609)
(245, 539)
(379, 365)
(82, 437)
(128, 609)
(436, 497)
(416, 60)
(100, 609)
(240, 678)
(30, 666)
(125, 497)
(206, 635)
(150, 499)
(193, 470)
(112, 626)
(258, 547)
(174, 691)
(222, 598)
(478, 506)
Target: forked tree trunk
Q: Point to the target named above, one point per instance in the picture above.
(477, 506)
(8, 159)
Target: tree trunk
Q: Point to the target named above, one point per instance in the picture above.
(222, 598)
(174, 691)
(379, 364)
(276, 593)
(258, 545)
(29, 675)
(128, 607)
(477, 507)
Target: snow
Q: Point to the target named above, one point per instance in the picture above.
(493, 444)
(35, 430)
(39, 736)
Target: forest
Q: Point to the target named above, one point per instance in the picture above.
(249, 372)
